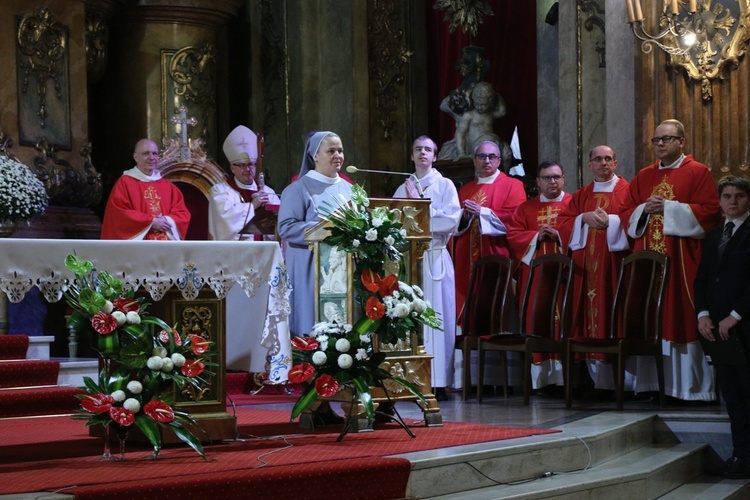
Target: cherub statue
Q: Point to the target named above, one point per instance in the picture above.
(474, 121)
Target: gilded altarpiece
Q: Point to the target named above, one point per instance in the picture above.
(335, 298)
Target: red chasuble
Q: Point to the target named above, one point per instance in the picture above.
(528, 218)
(596, 269)
(133, 204)
(690, 183)
(502, 197)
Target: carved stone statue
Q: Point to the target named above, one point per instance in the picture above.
(474, 115)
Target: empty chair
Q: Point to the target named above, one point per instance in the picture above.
(636, 321)
(485, 308)
(543, 319)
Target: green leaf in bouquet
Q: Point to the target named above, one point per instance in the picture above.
(363, 393)
(91, 301)
(188, 437)
(150, 429)
(307, 397)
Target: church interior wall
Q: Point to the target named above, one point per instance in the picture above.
(548, 89)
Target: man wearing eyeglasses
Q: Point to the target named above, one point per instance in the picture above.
(488, 203)
(535, 230)
(671, 205)
(598, 244)
(238, 200)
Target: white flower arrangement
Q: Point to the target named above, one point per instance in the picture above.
(22, 194)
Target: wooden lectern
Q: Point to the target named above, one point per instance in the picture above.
(335, 300)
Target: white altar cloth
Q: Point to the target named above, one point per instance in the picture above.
(258, 341)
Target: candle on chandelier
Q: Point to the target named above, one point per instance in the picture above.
(638, 10)
(693, 6)
(675, 7)
(631, 14)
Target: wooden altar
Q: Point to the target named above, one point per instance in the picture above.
(334, 301)
(187, 283)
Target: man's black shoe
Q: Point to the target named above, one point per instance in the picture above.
(739, 468)
(440, 394)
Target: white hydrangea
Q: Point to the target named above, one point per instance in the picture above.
(178, 359)
(365, 338)
(377, 222)
(389, 240)
(343, 345)
(135, 387)
(118, 395)
(132, 404)
(159, 351)
(356, 243)
(361, 354)
(371, 235)
(345, 361)
(319, 358)
(120, 317)
(155, 363)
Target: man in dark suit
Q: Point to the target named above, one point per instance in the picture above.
(722, 300)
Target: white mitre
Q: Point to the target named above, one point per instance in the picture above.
(241, 144)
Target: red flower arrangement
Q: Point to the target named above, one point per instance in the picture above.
(144, 358)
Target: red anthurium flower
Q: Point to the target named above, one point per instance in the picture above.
(301, 372)
(370, 280)
(177, 338)
(198, 344)
(388, 285)
(159, 411)
(326, 385)
(164, 337)
(127, 305)
(192, 368)
(374, 308)
(97, 403)
(305, 343)
(121, 416)
(104, 323)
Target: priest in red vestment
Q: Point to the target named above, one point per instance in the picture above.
(142, 205)
(534, 231)
(598, 243)
(488, 204)
(671, 205)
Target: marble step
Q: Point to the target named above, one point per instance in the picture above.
(72, 370)
(706, 487)
(585, 443)
(646, 473)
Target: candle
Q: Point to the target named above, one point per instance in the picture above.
(675, 7)
(693, 6)
(631, 14)
(638, 10)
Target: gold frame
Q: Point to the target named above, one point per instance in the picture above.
(722, 48)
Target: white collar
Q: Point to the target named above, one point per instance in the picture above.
(606, 186)
(317, 176)
(676, 164)
(488, 180)
(251, 187)
(544, 199)
(137, 174)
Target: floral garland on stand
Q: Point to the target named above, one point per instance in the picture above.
(335, 355)
(143, 359)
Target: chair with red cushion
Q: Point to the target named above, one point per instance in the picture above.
(544, 315)
(486, 308)
(636, 322)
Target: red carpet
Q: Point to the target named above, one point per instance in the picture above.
(56, 454)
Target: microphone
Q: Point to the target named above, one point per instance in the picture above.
(353, 170)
